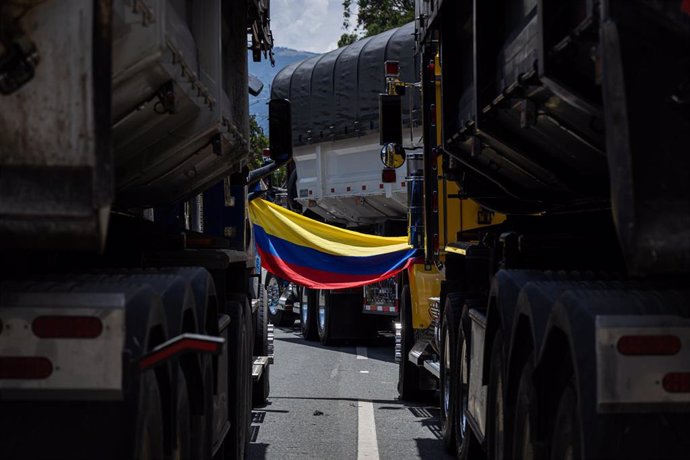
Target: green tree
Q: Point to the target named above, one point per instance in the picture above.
(257, 143)
(374, 17)
(347, 39)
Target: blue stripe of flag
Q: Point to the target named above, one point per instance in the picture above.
(296, 255)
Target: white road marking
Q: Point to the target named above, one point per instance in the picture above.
(367, 444)
(363, 372)
(362, 353)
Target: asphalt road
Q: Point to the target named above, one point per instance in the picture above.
(340, 403)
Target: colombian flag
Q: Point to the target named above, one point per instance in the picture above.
(320, 256)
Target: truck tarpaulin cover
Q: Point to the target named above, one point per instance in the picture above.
(321, 256)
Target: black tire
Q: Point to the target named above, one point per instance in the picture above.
(183, 420)
(262, 388)
(566, 436)
(261, 325)
(239, 382)
(308, 314)
(408, 373)
(202, 424)
(448, 381)
(466, 445)
(149, 434)
(272, 294)
(324, 317)
(526, 415)
(495, 423)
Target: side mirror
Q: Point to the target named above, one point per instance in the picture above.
(255, 85)
(390, 119)
(280, 130)
(392, 155)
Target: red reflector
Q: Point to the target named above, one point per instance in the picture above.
(388, 176)
(266, 153)
(176, 347)
(677, 382)
(200, 242)
(67, 327)
(635, 345)
(25, 367)
(392, 68)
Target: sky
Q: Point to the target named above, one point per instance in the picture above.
(307, 25)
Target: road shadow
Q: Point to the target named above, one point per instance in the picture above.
(431, 449)
(430, 418)
(257, 451)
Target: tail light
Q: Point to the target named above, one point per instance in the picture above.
(645, 345)
(67, 327)
(25, 367)
(392, 69)
(677, 382)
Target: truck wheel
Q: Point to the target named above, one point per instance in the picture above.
(565, 440)
(448, 379)
(183, 417)
(408, 373)
(525, 422)
(495, 431)
(239, 382)
(275, 315)
(324, 316)
(308, 314)
(261, 388)
(467, 446)
(149, 434)
(202, 424)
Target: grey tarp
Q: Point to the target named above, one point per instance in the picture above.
(335, 95)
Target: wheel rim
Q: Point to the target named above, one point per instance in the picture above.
(446, 379)
(322, 317)
(272, 296)
(304, 314)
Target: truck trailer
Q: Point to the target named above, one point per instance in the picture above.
(561, 330)
(130, 322)
(335, 132)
